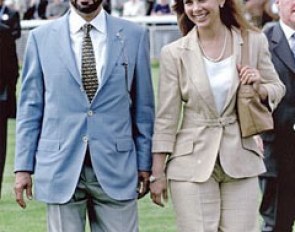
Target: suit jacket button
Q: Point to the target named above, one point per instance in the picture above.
(85, 139)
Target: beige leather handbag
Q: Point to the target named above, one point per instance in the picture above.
(254, 117)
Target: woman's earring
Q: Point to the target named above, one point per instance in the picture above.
(221, 5)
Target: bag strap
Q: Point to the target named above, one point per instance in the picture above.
(245, 47)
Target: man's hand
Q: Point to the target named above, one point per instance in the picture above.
(23, 182)
(143, 184)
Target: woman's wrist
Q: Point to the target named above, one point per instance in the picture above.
(155, 178)
(159, 160)
(261, 90)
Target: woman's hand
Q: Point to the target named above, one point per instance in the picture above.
(158, 190)
(251, 76)
(158, 180)
(248, 75)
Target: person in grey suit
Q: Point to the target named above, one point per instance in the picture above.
(278, 183)
(85, 120)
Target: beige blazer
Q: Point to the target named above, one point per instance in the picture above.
(202, 133)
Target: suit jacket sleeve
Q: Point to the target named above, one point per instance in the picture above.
(30, 109)
(169, 104)
(270, 78)
(143, 104)
(11, 61)
(8, 59)
(15, 27)
(3, 51)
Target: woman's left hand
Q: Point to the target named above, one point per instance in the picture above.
(249, 75)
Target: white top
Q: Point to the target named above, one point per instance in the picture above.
(220, 76)
(134, 8)
(98, 36)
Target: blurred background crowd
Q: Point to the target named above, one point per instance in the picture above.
(257, 11)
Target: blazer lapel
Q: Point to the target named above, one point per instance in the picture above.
(66, 53)
(281, 48)
(237, 54)
(115, 45)
(193, 62)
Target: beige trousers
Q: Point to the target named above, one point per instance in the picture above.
(221, 204)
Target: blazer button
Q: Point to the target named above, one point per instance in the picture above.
(85, 139)
(90, 113)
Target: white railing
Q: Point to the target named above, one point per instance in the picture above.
(143, 20)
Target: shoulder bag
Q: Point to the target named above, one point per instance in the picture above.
(254, 117)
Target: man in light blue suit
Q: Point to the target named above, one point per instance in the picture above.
(87, 142)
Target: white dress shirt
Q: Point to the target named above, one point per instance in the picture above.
(98, 36)
(288, 31)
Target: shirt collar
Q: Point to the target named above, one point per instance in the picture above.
(288, 31)
(77, 22)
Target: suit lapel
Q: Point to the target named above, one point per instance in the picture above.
(281, 48)
(194, 65)
(115, 44)
(65, 50)
(237, 48)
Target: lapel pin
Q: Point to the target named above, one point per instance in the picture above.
(120, 37)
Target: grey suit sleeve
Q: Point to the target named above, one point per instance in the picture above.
(270, 79)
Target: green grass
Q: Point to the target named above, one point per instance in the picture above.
(33, 218)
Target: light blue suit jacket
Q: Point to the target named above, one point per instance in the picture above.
(56, 122)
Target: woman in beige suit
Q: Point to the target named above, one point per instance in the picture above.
(211, 171)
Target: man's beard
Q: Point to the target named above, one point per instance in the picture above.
(87, 9)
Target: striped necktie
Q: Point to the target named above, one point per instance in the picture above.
(88, 68)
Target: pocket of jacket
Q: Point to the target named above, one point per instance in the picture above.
(48, 145)
(250, 144)
(125, 144)
(184, 145)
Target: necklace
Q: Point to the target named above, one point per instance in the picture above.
(221, 52)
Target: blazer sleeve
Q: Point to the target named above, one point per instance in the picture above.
(30, 109)
(169, 104)
(270, 79)
(8, 59)
(143, 104)
(16, 27)
(3, 52)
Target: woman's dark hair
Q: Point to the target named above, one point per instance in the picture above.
(231, 14)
